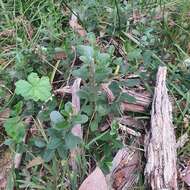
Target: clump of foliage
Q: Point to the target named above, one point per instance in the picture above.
(35, 88)
(37, 34)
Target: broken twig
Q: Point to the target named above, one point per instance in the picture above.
(76, 130)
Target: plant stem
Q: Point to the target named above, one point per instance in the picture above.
(118, 15)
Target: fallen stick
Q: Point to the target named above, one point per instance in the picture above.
(76, 130)
(76, 26)
(142, 103)
(160, 142)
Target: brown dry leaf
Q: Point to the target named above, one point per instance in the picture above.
(131, 121)
(3, 62)
(182, 140)
(35, 162)
(76, 26)
(5, 165)
(60, 55)
(129, 131)
(105, 88)
(63, 90)
(137, 16)
(29, 30)
(125, 166)
(7, 33)
(95, 181)
(186, 121)
(132, 107)
(4, 115)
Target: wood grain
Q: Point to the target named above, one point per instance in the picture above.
(160, 171)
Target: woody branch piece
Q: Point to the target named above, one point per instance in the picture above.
(76, 130)
(160, 143)
(142, 103)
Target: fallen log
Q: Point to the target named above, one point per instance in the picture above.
(160, 142)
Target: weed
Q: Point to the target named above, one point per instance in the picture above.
(40, 53)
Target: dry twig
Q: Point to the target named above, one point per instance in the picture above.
(76, 130)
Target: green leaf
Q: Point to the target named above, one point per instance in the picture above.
(91, 38)
(87, 53)
(17, 109)
(103, 59)
(111, 49)
(10, 181)
(80, 119)
(71, 141)
(54, 143)
(54, 133)
(123, 66)
(48, 154)
(94, 125)
(39, 143)
(132, 82)
(102, 110)
(86, 50)
(87, 109)
(83, 94)
(82, 72)
(69, 107)
(114, 128)
(147, 56)
(15, 128)
(62, 151)
(62, 125)
(115, 88)
(56, 117)
(8, 142)
(134, 55)
(89, 93)
(102, 73)
(126, 97)
(118, 61)
(35, 88)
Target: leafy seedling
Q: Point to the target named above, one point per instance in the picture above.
(35, 88)
(15, 129)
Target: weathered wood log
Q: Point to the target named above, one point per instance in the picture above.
(160, 143)
(125, 169)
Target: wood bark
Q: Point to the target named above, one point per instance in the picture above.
(125, 169)
(160, 143)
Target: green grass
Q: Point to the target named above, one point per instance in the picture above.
(32, 33)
